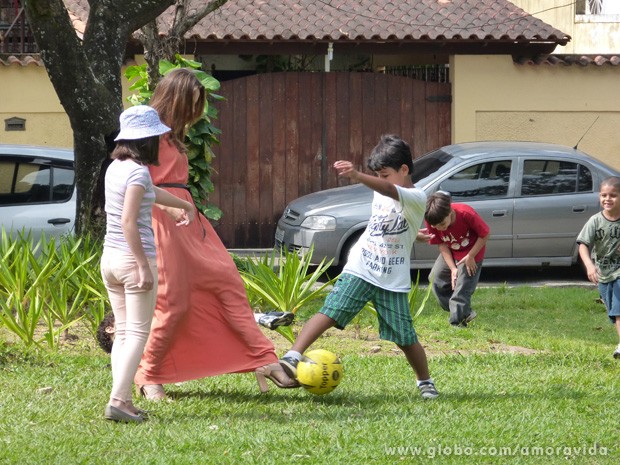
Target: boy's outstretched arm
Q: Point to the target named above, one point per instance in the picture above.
(383, 187)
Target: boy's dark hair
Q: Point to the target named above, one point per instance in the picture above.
(613, 181)
(104, 338)
(390, 152)
(144, 151)
(438, 207)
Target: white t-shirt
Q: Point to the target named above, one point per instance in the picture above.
(381, 255)
(119, 176)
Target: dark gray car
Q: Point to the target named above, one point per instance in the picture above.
(535, 197)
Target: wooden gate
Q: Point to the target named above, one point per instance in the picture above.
(282, 132)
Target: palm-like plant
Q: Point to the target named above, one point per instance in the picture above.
(282, 281)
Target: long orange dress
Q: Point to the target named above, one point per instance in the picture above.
(203, 323)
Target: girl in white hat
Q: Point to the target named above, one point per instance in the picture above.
(128, 264)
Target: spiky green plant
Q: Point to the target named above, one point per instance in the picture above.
(52, 284)
(282, 281)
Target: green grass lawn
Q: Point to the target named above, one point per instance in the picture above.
(530, 381)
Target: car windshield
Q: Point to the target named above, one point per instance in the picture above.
(428, 164)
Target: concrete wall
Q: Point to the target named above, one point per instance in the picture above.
(26, 92)
(494, 99)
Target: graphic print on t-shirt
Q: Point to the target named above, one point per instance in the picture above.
(457, 243)
(381, 251)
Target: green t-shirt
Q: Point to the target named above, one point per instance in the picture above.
(603, 239)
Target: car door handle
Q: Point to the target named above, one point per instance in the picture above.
(58, 221)
(498, 213)
(579, 209)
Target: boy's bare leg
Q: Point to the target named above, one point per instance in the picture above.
(417, 359)
(617, 324)
(311, 331)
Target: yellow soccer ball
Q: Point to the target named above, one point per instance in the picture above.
(320, 371)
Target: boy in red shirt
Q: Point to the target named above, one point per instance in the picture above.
(461, 235)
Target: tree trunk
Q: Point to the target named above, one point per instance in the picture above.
(86, 76)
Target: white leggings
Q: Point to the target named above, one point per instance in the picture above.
(133, 313)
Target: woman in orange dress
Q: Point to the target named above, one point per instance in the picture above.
(203, 324)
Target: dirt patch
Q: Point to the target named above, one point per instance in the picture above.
(362, 341)
(366, 342)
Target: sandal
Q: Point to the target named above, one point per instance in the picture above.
(151, 391)
(276, 374)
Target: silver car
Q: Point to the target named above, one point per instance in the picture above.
(37, 190)
(535, 197)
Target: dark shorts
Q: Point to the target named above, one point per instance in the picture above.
(610, 293)
(349, 296)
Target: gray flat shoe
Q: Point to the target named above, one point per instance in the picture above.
(116, 414)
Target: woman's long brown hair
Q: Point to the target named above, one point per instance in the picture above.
(179, 98)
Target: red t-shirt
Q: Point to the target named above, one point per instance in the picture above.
(463, 233)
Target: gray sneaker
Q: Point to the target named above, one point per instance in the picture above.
(272, 320)
(617, 352)
(428, 391)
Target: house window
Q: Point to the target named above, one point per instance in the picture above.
(601, 11)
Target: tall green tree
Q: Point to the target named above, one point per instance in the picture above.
(86, 74)
(86, 71)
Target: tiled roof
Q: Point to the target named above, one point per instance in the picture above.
(21, 60)
(557, 60)
(567, 60)
(363, 20)
(359, 21)
(374, 20)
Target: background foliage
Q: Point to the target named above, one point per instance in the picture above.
(201, 137)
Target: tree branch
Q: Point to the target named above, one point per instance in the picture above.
(182, 25)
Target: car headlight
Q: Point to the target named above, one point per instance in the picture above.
(319, 222)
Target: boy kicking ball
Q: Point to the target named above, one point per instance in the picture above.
(599, 249)
(377, 269)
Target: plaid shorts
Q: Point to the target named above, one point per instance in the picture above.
(349, 296)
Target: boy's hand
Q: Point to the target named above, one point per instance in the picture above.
(424, 236)
(593, 273)
(345, 168)
(470, 264)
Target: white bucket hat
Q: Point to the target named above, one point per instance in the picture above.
(140, 122)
